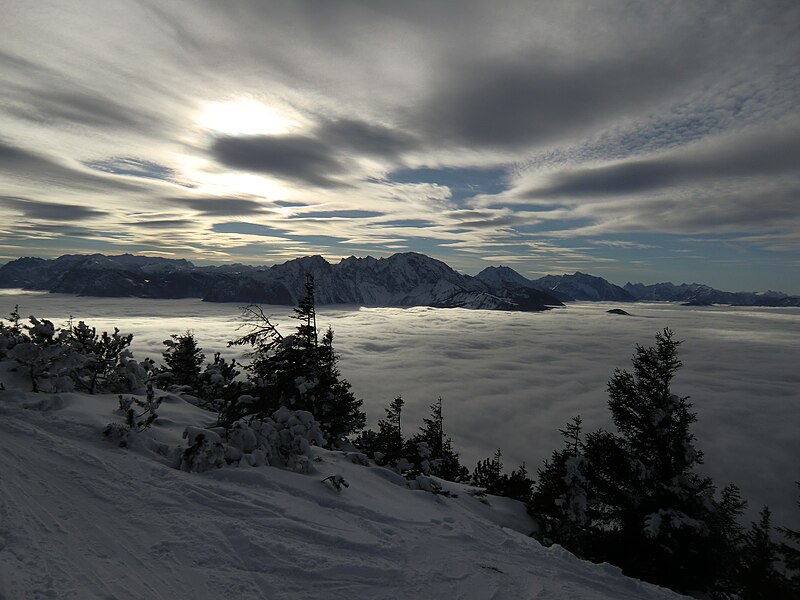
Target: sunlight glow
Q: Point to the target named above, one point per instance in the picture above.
(245, 116)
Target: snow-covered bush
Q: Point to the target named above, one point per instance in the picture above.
(75, 357)
(46, 356)
(336, 482)
(284, 440)
(108, 364)
(139, 415)
(11, 332)
(205, 451)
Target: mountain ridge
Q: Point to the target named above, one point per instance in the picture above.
(402, 279)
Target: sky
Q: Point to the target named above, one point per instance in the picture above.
(635, 141)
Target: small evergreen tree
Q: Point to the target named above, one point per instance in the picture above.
(791, 553)
(106, 356)
(183, 359)
(560, 501)
(758, 578)
(441, 460)
(488, 474)
(298, 372)
(389, 445)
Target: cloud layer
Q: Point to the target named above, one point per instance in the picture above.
(590, 130)
(513, 379)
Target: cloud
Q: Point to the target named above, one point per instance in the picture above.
(513, 379)
(363, 138)
(336, 214)
(163, 223)
(132, 167)
(214, 206)
(754, 153)
(319, 158)
(520, 102)
(19, 163)
(294, 157)
(78, 106)
(50, 211)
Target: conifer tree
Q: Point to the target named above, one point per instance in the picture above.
(791, 552)
(653, 515)
(488, 474)
(758, 578)
(337, 409)
(561, 497)
(389, 442)
(441, 459)
(299, 372)
(183, 359)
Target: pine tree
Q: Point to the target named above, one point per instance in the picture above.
(758, 578)
(488, 474)
(298, 371)
(337, 409)
(561, 498)
(657, 513)
(791, 552)
(440, 459)
(183, 359)
(389, 444)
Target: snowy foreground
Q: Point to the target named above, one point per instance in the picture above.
(81, 518)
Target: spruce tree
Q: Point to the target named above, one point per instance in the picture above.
(791, 552)
(657, 513)
(335, 406)
(442, 460)
(560, 500)
(299, 372)
(183, 359)
(758, 578)
(389, 442)
(488, 474)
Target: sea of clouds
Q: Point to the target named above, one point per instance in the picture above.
(511, 380)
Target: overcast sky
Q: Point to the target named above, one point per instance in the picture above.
(633, 140)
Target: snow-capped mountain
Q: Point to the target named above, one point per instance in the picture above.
(406, 279)
(703, 295)
(578, 286)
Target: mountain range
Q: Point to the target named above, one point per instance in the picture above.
(403, 280)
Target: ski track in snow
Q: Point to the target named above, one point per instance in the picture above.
(81, 519)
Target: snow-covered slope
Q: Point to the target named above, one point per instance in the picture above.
(83, 519)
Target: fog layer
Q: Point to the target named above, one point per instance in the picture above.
(511, 380)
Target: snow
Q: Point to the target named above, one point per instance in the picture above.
(81, 518)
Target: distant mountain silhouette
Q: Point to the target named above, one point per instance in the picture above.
(697, 294)
(578, 286)
(403, 279)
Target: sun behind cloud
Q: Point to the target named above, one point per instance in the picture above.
(245, 116)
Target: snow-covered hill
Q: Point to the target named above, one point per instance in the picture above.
(81, 518)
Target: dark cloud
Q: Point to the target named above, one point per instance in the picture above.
(316, 159)
(87, 108)
(50, 211)
(764, 153)
(363, 138)
(530, 101)
(133, 167)
(297, 158)
(20, 163)
(336, 214)
(214, 206)
(164, 223)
